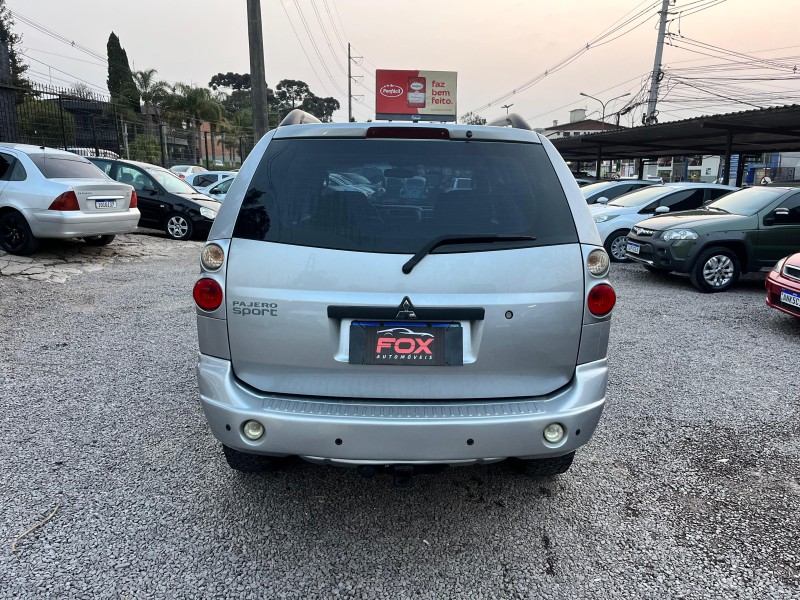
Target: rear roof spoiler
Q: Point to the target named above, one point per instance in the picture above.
(512, 120)
(298, 117)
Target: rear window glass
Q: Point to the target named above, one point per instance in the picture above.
(60, 166)
(301, 194)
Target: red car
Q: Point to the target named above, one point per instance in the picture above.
(783, 285)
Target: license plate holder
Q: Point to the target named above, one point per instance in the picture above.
(105, 204)
(633, 247)
(404, 344)
(790, 298)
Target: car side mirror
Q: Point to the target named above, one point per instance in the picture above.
(662, 209)
(781, 212)
(602, 200)
(149, 189)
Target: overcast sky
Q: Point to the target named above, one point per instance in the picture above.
(494, 46)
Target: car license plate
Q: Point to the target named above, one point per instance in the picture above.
(383, 343)
(633, 247)
(790, 298)
(105, 204)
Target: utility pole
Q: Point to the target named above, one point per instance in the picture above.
(650, 117)
(507, 106)
(349, 85)
(258, 78)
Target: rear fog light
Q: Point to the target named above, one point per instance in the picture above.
(601, 300)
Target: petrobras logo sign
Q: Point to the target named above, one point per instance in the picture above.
(390, 90)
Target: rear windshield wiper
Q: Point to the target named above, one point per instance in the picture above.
(461, 239)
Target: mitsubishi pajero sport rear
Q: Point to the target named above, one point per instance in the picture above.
(357, 308)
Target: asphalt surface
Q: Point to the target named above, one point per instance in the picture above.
(690, 487)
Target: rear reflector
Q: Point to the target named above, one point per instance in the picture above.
(408, 133)
(207, 294)
(134, 200)
(601, 300)
(66, 201)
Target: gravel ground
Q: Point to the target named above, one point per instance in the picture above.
(690, 487)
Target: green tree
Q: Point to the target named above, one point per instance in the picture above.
(151, 90)
(7, 36)
(40, 123)
(472, 119)
(233, 81)
(120, 79)
(193, 105)
(322, 108)
(146, 149)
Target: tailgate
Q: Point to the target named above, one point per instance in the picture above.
(290, 311)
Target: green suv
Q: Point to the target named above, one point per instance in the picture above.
(748, 230)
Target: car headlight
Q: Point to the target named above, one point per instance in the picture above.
(779, 265)
(604, 218)
(679, 234)
(208, 213)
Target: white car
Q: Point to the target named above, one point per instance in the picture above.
(218, 190)
(206, 179)
(183, 170)
(615, 219)
(604, 191)
(48, 193)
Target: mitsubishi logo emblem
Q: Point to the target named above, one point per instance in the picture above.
(406, 310)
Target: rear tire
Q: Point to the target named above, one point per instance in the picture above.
(245, 462)
(615, 245)
(15, 234)
(548, 467)
(99, 240)
(715, 270)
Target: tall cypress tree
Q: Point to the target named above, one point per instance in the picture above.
(120, 78)
(11, 40)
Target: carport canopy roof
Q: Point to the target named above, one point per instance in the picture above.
(748, 132)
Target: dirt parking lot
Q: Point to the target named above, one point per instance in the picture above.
(690, 488)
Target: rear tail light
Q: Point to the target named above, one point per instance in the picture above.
(207, 294)
(601, 300)
(134, 200)
(66, 201)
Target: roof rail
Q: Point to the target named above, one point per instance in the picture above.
(298, 117)
(512, 120)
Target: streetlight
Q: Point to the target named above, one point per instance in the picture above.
(603, 118)
(507, 106)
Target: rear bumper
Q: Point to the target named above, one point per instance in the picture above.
(69, 224)
(352, 432)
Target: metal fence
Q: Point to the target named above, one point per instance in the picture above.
(92, 125)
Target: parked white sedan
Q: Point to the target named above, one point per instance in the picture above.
(48, 193)
(615, 219)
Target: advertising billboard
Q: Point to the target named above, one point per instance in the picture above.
(415, 95)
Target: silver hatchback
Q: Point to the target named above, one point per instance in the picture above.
(416, 323)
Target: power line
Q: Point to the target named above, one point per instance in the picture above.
(644, 14)
(327, 38)
(303, 48)
(316, 48)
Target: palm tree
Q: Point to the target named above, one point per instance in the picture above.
(194, 105)
(152, 91)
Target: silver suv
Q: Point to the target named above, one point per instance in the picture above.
(410, 322)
